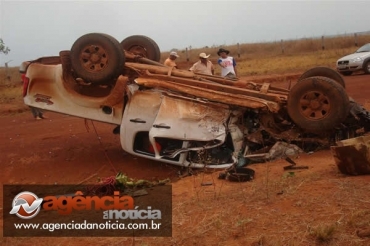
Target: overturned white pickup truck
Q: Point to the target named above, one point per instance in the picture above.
(188, 119)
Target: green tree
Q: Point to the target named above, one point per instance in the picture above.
(3, 48)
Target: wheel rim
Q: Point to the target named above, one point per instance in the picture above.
(314, 105)
(94, 58)
(138, 50)
(368, 67)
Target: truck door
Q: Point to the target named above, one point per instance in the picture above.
(188, 120)
(138, 118)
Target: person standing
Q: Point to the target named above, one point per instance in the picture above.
(36, 112)
(170, 61)
(227, 63)
(203, 66)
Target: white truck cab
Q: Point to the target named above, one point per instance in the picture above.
(154, 124)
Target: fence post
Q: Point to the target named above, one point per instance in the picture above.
(282, 47)
(187, 54)
(356, 39)
(238, 50)
(8, 77)
(322, 42)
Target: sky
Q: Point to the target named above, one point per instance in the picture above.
(33, 29)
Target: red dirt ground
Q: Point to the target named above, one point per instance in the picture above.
(66, 150)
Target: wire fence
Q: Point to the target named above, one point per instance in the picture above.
(336, 41)
(279, 47)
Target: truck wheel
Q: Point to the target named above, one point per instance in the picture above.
(367, 67)
(323, 72)
(143, 46)
(97, 58)
(318, 104)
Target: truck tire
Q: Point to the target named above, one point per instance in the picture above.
(323, 72)
(143, 46)
(97, 58)
(318, 104)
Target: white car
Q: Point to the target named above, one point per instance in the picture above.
(360, 60)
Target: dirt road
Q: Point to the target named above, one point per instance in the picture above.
(67, 149)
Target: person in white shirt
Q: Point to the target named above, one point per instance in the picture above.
(227, 63)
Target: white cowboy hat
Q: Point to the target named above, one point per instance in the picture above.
(203, 55)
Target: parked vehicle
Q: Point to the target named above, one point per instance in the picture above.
(358, 61)
(182, 118)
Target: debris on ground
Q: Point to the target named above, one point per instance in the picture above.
(238, 174)
(352, 156)
(278, 151)
(107, 185)
(293, 164)
(123, 180)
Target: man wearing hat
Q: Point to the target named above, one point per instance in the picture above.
(227, 63)
(203, 66)
(170, 61)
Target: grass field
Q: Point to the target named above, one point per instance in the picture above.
(269, 58)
